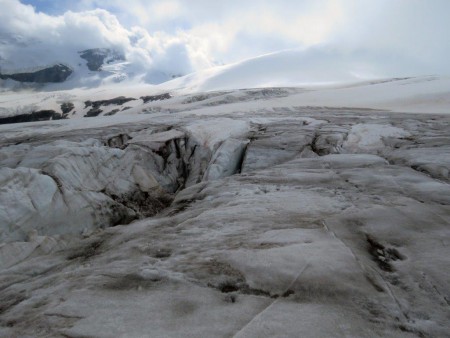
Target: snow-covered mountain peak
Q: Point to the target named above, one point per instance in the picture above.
(98, 57)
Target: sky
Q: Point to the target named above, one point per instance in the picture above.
(382, 38)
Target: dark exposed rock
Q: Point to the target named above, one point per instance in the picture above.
(382, 255)
(117, 101)
(93, 112)
(131, 281)
(41, 115)
(112, 112)
(202, 97)
(268, 92)
(226, 97)
(97, 57)
(86, 251)
(141, 205)
(67, 107)
(152, 98)
(233, 286)
(55, 74)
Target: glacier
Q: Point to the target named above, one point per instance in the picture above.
(234, 213)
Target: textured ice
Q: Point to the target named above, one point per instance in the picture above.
(267, 219)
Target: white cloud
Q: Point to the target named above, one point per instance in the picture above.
(377, 37)
(165, 9)
(30, 39)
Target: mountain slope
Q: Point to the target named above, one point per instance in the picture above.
(316, 79)
(288, 68)
(417, 95)
(68, 69)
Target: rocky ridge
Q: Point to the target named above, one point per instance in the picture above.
(97, 57)
(54, 74)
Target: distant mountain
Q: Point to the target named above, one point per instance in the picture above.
(67, 69)
(53, 74)
(97, 57)
(40, 69)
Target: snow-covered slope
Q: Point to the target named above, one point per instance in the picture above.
(287, 68)
(281, 69)
(321, 78)
(423, 94)
(426, 94)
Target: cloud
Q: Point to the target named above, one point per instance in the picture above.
(31, 39)
(377, 38)
(389, 32)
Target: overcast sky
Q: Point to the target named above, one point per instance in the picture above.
(397, 36)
